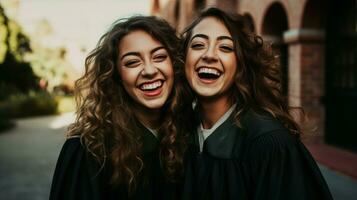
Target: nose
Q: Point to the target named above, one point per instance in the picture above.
(149, 69)
(210, 55)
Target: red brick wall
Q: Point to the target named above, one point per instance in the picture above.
(312, 83)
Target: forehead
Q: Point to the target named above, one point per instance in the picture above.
(138, 41)
(212, 27)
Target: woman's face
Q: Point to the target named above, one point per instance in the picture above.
(211, 61)
(145, 69)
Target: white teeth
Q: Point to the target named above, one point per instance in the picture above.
(151, 86)
(209, 71)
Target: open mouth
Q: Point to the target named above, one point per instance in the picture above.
(151, 86)
(208, 73)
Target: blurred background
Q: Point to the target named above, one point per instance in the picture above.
(43, 44)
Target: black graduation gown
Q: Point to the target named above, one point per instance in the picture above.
(76, 175)
(261, 161)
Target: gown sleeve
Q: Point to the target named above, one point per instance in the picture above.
(280, 167)
(75, 176)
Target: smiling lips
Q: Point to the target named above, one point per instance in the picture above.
(151, 89)
(208, 74)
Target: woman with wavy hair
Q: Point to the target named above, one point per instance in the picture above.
(125, 143)
(246, 145)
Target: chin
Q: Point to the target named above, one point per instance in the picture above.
(207, 92)
(154, 105)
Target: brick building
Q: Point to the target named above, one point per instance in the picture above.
(317, 41)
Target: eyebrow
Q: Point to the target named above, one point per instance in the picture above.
(138, 54)
(223, 37)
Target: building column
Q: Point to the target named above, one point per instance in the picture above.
(306, 75)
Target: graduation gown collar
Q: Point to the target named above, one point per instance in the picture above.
(222, 141)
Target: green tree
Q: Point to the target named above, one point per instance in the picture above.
(16, 75)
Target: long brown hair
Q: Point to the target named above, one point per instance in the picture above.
(105, 119)
(257, 85)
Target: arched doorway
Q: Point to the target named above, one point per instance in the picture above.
(341, 74)
(274, 25)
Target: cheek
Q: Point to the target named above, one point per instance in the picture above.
(230, 62)
(128, 77)
(167, 69)
(192, 58)
(230, 67)
(168, 73)
(170, 76)
(189, 69)
(233, 70)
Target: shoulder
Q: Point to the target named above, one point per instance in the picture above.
(73, 139)
(73, 150)
(74, 156)
(75, 171)
(273, 147)
(72, 142)
(266, 134)
(276, 139)
(259, 125)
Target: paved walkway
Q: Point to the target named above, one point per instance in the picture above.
(28, 155)
(335, 158)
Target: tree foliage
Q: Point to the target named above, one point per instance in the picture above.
(16, 75)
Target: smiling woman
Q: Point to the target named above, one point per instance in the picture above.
(211, 64)
(125, 142)
(246, 144)
(146, 72)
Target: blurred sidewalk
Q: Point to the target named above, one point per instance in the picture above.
(339, 168)
(335, 158)
(28, 154)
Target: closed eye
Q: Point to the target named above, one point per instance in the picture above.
(226, 48)
(132, 63)
(197, 46)
(160, 58)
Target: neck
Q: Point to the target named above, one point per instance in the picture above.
(212, 110)
(149, 117)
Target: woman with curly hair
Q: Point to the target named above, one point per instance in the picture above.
(125, 143)
(246, 145)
